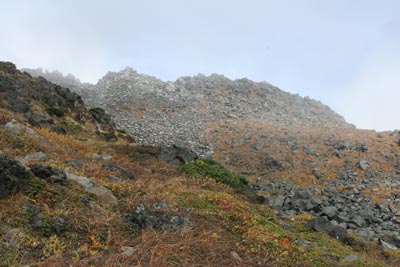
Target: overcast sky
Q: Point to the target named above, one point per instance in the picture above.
(345, 53)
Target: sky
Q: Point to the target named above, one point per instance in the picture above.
(345, 53)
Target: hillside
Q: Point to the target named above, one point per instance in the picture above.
(157, 112)
(76, 191)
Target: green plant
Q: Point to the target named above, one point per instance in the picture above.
(55, 111)
(212, 169)
(98, 110)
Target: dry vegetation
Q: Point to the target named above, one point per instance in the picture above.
(248, 147)
(228, 229)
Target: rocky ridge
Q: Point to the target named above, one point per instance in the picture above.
(157, 112)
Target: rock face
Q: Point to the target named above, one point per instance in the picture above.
(47, 105)
(13, 177)
(168, 113)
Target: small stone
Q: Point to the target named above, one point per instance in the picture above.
(350, 258)
(38, 156)
(101, 156)
(235, 255)
(127, 251)
(329, 211)
(364, 165)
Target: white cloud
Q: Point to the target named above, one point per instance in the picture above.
(371, 99)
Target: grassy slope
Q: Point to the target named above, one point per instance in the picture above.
(225, 222)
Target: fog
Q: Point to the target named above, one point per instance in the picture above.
(344, 53)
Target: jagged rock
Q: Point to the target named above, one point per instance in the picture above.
(114, 168)
(14, 178)
(323, 225)
(143, 217)
(154, 112)
(50, 174)
(176, 155)
(104, 195)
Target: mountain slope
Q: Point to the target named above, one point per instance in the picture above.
(74, 198)
(157, 112)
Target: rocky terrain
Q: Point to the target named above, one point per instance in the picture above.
(291, 183)
(349, 177)
(157, 112)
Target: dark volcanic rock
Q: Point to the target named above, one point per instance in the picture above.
(13, 177)
(17, 105)
(58, 129)
(114, 168)
(44, 103)
(50, 174)
(323, 225)
(176, 155)
(143, 217)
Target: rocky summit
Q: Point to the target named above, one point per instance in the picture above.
(157, 112)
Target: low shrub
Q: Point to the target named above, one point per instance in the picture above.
(212, 169)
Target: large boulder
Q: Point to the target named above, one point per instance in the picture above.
(14, 177)
(50, 174)
(104, 195)
(320, 224)
(176, 155)
(143, 217)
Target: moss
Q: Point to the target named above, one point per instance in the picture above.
(137, 153)
(98, 110)
(36, 185)
(55, 112)
(212, 169)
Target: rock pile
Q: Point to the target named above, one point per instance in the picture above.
(168, 113)
(348, 209)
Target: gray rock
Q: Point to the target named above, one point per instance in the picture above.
(114, 168)
(104, 195)
(323, 225)
(388, 246)
(38, 156)
(350, 258)
(104, 157)
(276, 202)
(20, 106)
(50, 174)
(329, 211)
(364, 165)
(128, 251)
(176, 155)
(235, 256)
(143, 217)
(59, 224)
(14, 178)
